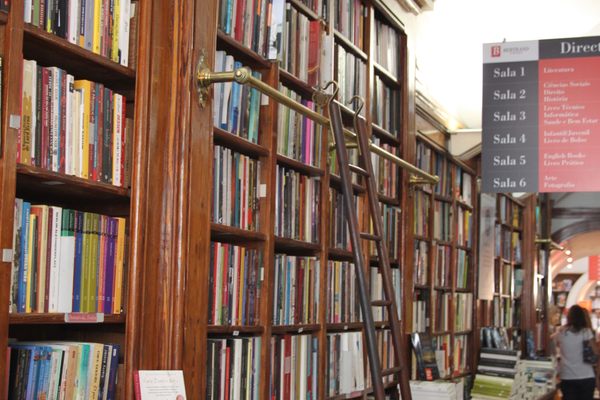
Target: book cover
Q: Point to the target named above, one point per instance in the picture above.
(427, 369)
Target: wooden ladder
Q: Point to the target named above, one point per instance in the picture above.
(365, 169)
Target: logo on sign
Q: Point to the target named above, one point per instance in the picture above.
(496, 51)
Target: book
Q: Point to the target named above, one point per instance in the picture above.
(427, 368)
(159, 385)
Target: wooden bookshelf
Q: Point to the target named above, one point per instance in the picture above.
(23, 41)
(446, 236)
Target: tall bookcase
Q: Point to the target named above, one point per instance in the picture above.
(46, 185)
(179, 245)
(308, 312)
(444, 257)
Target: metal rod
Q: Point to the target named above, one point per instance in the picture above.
(552, 243)
(243, 76)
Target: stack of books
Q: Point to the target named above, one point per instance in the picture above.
(439, 390)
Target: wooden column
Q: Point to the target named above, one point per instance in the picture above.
(172, 181)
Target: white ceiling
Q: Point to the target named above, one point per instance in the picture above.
(449, 42)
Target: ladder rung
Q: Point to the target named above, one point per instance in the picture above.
(369, 236)
(381, 303)
(390, 371)
(358, 170)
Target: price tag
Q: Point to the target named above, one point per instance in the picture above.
(300, 330)
(236, 333)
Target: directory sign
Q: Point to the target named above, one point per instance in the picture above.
(541, 114)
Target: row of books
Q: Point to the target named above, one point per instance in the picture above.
(377, 292)
(66, 260)
(296, 205)
(296, 296)
(351, 77)
(294, 367)
(462, 269)
(385, 173)
(464, 234)
(460, 350)
(300, 55)
(96, 25)
(442, 311)
(74, 127)
(386, 107)
(349, 18)
(509, 212)
(385, 351)
(420, 310)
(342, 301)
(464, 185)
(424, 390)
(463, 317)
(66, 370)
(442, 273)
(391, 230)
(443, 169)
(422, 206)
(235, 195)
(353, 158)
(236, 107)
(421, 262)
(507, 279)
(345, 360)
(233, 368)
(234, 279)
(502, 312)
(423, 159)
(339, 234)
(387, 47)
(442, 221)
(298, 137)
(255, 24)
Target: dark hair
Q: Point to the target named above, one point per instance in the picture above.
(577, 318)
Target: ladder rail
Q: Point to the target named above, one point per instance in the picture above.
(352, 219)
(383, 258)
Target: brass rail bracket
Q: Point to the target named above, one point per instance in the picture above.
(202, 79)
(551, 243)
(415, 180)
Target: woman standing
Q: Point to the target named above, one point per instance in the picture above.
(577, 377)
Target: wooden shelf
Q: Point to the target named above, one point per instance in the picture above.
(234, 329)
(230, 234)
(463, 290)
(40, 185)
(442, 197)
(439, 242)
(50, 50)
(465, 332)
(344, 326)
(239, 144)
(241, 52)
(388, 77)
(422, 287)
(385, 135)
(299, 166)
(464, 205)
(304, 9)
(58, 318)
(462, 247)
(441, 333)
(349, 46)
(443, 288)
(293, 246)
(340, 254)
(295, 329)
(298, 85)
(421, 238)
(392, 201)
(336, 182)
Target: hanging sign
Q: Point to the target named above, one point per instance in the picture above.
(594, 268)
(540, 116)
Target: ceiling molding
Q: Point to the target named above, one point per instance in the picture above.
(416, 6)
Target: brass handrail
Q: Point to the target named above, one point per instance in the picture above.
(552, 243)
(206, 77)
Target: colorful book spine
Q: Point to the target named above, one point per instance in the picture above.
(296, 290)
(67, 260)
(294, 371)
(342, 301)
